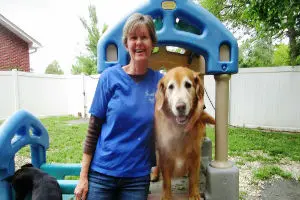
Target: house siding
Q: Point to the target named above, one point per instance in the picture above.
(14, 52)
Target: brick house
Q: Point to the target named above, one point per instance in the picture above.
(15, 47)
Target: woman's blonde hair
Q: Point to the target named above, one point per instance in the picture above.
(134, 21)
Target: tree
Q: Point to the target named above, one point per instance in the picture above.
(54, 68)
(256, 52)
(281, 55)
(269, 18)
(88, 63)
(84, 65)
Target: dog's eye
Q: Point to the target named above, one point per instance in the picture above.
(171, 87)
(187, 85)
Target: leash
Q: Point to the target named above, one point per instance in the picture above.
(209, 99)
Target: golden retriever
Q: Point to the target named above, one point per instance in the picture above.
(180, 127)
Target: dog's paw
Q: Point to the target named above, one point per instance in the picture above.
(154, 177)
(195, 197)
(166, 198)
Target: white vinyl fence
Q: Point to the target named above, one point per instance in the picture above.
(266, 97)
(259, 97)
(45, 95)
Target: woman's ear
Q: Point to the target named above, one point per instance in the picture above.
(160, 94)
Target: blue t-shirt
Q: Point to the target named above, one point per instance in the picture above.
(125, 147)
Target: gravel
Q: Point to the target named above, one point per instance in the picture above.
(20, 161)
(252, 189)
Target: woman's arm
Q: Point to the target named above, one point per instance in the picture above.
(82, 186)
(91, 140)
(94, 129)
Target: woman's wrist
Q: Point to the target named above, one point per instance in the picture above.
(83, 175)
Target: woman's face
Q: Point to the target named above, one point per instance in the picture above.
(139, 44)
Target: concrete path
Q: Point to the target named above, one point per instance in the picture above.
(179, 189)
(281, 190)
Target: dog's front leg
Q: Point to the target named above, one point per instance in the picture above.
(166, 174)
(194, 174)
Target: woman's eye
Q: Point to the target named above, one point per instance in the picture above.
(187, 85)
(171, 87)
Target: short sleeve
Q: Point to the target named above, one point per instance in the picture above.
(101, 97)
(160, 75)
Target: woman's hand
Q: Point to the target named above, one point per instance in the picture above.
(81, 189)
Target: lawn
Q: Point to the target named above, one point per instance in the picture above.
(271, 150)
(66, 143)
(66, 140)
(277, 145)
(260, 155)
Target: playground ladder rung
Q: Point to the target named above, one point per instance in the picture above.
(67, 186)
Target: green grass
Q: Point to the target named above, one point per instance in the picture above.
(242, 195)
(276, 145)
(66, 141)
(267, 172)
(267, 148)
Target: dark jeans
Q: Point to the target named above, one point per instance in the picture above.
(106, 187)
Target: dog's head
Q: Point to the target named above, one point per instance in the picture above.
(21, 181)
(28, 178)
(180, 92)
(12, 178)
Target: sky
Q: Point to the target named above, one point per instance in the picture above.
(56, 25)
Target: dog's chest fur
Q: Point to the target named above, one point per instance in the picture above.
(179, 146)
(170, 138)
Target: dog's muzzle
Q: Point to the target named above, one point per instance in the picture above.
(181, 117)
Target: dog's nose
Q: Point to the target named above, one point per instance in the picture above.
(180, 107)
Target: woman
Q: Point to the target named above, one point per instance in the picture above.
(119, 151)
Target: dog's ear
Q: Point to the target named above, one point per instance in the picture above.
(27, 165)
(199, 90)
(207, 118)
(198, 86)
(160, 94)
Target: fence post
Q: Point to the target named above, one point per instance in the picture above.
(16, 89)
(84, 96)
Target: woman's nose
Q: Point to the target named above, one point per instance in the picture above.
(139, 40)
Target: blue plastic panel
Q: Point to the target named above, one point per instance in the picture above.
(17, 131)
(213, 34)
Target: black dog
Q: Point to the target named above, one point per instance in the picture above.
(41, 185)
